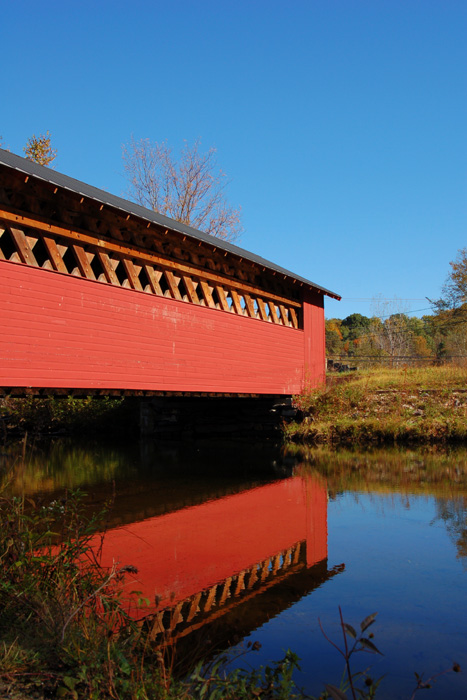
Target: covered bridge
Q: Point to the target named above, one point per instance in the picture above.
(101, 295)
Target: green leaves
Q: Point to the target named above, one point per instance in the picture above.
(272, 682)
(335, 693)
(350, 630)
(367, 621)
(68, 689)
(369, 645)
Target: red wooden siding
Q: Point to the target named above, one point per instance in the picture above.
(181, 553)
(315, 341)
(62, 331)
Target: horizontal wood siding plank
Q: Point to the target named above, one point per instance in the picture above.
(64, 331)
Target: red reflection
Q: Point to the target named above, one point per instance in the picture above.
(182, 553)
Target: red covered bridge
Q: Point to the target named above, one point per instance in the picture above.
(101, 295)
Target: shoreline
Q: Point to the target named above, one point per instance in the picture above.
(384, 407)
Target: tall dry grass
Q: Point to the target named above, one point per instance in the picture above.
(385, 406)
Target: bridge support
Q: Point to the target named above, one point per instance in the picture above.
(196, 416)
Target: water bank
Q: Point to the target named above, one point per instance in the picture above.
(389, 406)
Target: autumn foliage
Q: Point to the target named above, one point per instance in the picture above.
(39, 149)
(394, 338)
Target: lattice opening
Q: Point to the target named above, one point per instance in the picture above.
(215, 298)
(268, 312)
(185, 610)
(70, 262)
(183, 290)
(233, 587)
(198, 291)
(159, 275)
(98, 269)
(230, 301)
(40, 252)
(121, 275)
(7, 245)
(144, 279)
(166, 618)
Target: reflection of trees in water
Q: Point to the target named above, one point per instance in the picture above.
(453, 513)
(141, 479)
(429, 470)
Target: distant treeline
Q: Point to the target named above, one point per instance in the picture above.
(398, 338)
(392, 337)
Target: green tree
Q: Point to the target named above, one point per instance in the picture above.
(455, 288)
(450, 320)
(354, 326)
(39, 149)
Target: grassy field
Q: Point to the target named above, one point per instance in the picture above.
(384, 406)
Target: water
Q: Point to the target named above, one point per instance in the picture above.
(236, 543)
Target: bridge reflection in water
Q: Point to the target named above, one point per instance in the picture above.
(260, 550)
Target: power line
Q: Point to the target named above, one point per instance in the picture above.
(376, 300)
(403, 313)
(406, 313)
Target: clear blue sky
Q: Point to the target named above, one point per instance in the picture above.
(340, 123)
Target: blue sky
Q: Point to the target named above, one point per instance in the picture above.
(341, 124)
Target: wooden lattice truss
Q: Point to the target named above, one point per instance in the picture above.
(57, 229)
(172, 623)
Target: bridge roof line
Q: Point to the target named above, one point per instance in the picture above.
(32, 169)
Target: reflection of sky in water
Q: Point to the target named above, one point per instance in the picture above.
(400, 562)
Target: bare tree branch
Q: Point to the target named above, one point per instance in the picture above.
(190, 189)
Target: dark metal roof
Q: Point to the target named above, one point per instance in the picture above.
(41, 172)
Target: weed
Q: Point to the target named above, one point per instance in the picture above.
(273, 682)
(385, 406)
(358, 683)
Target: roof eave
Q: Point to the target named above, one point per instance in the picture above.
(89, 192)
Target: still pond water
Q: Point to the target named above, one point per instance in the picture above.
(237, 543)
